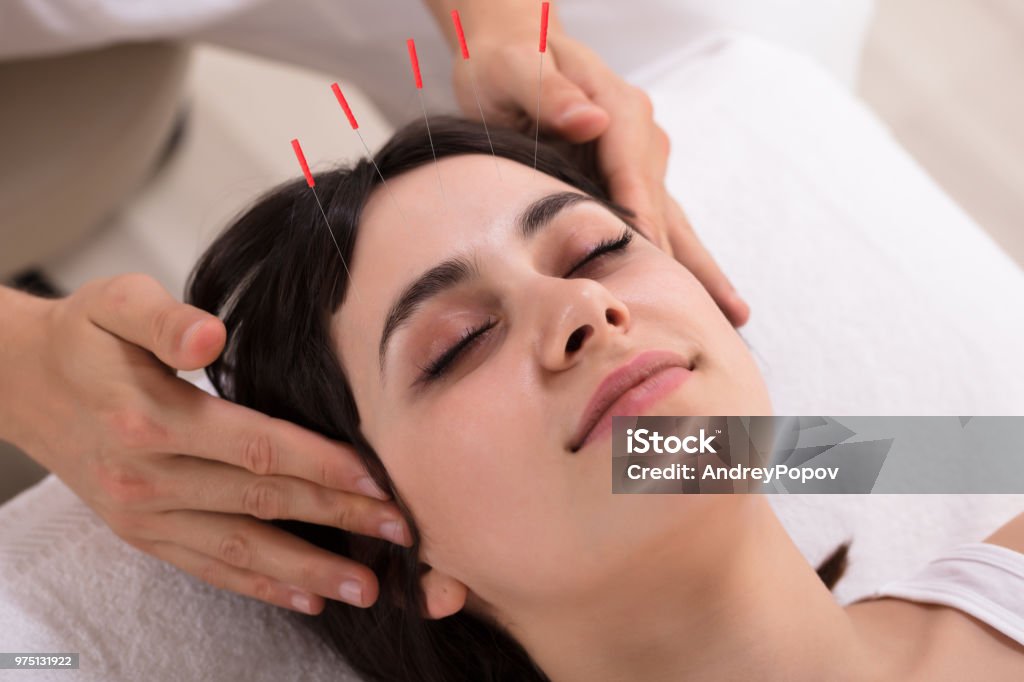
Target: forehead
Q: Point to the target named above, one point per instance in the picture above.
(476, 201)
(477, 210)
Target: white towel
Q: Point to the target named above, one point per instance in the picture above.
(872, 293)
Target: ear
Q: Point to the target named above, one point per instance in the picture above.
(444, 595)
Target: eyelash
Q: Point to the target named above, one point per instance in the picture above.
(436, 369)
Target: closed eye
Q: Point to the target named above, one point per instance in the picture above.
(438, 367)
(607, 246)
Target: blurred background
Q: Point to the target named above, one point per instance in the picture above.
(945, 76)
(948, 79)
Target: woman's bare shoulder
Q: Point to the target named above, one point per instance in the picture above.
(1010, 534)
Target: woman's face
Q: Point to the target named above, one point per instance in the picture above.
(482, 453)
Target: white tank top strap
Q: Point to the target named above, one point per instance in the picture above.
(978, 578)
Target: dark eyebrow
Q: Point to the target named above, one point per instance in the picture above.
(455, 271)
(541, 212)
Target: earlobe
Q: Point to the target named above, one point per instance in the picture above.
(443, 594)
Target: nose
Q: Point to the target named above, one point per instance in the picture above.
(578, 315)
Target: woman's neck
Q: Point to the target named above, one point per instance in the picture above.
(753, 608)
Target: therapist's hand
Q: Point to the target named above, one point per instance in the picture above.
(582, 99)
(91, 394)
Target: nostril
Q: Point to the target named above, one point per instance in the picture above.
(577, 338)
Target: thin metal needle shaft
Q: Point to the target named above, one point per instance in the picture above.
(536, 135)
(327, 224)
(426, 120)
(383, 181)
(472, 83)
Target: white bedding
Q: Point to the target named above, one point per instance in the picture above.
(872, 293)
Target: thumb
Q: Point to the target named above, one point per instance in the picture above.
(137, 309)
(201, 342)
(565, 109)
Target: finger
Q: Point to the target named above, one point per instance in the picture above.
(209, 427)
(691, 252)
(268, 552)
(565, 109)
(633, 151)
(628, 187)
(631, 161)
(139, 310)
(202, 485)
(225, 577)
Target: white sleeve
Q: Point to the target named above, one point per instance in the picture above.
(44, 27)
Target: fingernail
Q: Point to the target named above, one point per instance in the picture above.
(574, 111)
(352, 592)
(302, 603)
(368, 486)
(394, 531)
(189, 333)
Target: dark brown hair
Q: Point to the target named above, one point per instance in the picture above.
(275, 279)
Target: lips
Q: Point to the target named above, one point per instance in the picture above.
(651, 373)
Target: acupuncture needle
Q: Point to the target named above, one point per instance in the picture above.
(418, 80)
(355, 126)
(540, 72)
(472, 83)
(327, 223)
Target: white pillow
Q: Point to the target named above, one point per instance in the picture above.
(872, 293)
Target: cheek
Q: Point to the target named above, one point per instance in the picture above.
(482, 475)
(732, 382)
(669, 304)
(676, 290)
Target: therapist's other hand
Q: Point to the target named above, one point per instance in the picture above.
(178, 473)
(583, 99)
